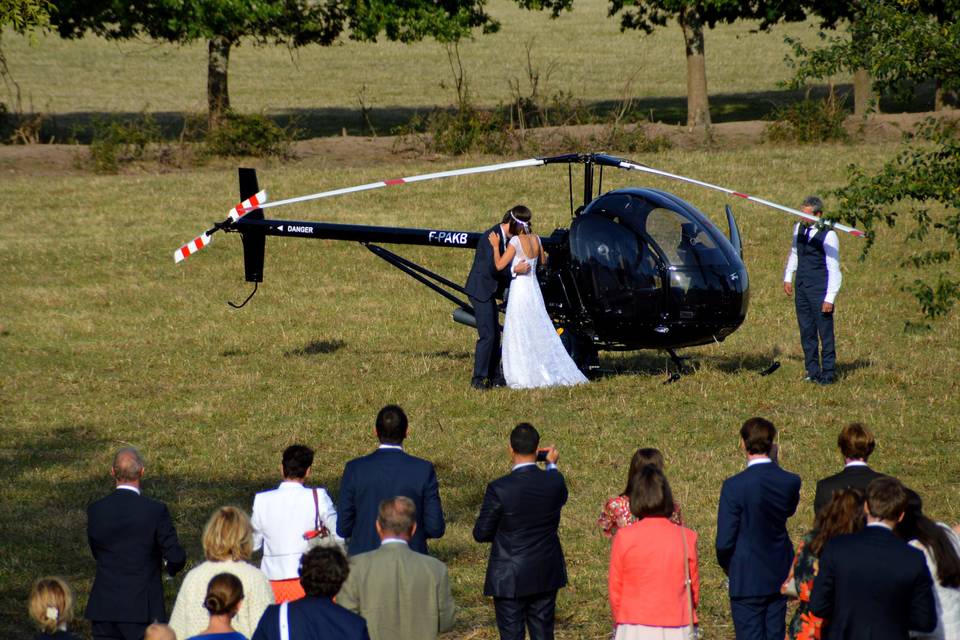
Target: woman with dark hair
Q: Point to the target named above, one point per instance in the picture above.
(941, 546)
(653, 581)
(616, 512)
(533, 355)
(843, 514)
(222, 602)
(323, 570)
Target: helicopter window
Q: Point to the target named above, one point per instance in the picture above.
(618, 259)
(683, 241)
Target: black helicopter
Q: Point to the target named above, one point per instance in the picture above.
(638, 268)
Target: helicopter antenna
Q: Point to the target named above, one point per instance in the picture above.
(632, 166)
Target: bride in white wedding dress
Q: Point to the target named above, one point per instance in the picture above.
(533, 355)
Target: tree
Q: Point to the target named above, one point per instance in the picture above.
(224, 23)
(863, 17)
(692, 16)
(22, 16)
(895, 43)
(919, 185)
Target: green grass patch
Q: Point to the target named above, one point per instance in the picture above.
(103, 341)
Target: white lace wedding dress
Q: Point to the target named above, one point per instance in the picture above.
(533, 355)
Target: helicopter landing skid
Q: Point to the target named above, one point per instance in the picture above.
(681, 368)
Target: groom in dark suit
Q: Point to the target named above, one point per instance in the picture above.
(520, 515)
(130, 536)
(484, 285)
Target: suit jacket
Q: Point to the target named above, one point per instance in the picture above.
(312, 619)
(130, 535)
(402, 594)
(383, 474)
(280, 518)
(520, 515)
(855, 477)
(753, 546)
(484, 281)
(872, 586)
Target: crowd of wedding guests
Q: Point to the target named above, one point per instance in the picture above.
(873, 565)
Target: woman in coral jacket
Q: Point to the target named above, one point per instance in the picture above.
(649, 595)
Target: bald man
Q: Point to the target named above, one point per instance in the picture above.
(130, 537)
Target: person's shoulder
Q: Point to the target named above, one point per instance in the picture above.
(789, 475)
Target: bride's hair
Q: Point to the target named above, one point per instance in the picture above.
(518, 218)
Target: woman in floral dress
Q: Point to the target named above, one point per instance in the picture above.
(844, 514)
(616, 512)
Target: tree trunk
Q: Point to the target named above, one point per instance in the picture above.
(698, 105)
(218, 97)
(863, 93)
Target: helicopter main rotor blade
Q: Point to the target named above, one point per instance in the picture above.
(630, 166)
(517, 164)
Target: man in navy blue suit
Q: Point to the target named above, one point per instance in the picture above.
(130, 536)
(753, 546)
(872, 584)
(315, 617)
(483, 286)
(520, 515)
(387, 472)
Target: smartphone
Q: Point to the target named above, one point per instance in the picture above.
(542, 455)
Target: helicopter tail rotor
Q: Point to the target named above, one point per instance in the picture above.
(252, 203)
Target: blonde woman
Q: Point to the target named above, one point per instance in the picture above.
(51, 607)
(227, 545)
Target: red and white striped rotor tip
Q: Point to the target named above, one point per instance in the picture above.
(248, 205)
(191, 248)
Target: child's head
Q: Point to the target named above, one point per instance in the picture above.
(51, 604)
(159, 631)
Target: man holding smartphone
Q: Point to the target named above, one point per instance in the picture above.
(520, 515)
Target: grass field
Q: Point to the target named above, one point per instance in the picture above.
(74, 80)
(104, 342)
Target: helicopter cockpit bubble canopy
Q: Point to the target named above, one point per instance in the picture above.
(650, 265)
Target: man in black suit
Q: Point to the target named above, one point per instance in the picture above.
(856, 444)
(873, 585)
(484, 284)
(130, 537)
(387, 472)
(520, 515)
(753, 547)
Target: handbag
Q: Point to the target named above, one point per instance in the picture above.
(789, 586)
(320, 535)
(687, 583)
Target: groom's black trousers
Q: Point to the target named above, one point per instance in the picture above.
(486, 357)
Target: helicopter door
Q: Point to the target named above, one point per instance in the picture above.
(617, 272)
(697, 265)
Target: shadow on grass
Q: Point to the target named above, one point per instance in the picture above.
(334, 121)
(317, 347)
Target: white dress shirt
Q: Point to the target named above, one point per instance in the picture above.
(831, 247)
(280, 518)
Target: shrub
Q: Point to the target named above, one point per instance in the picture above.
(808, 121)
(249, 135)
(632, 139)
(115, 142)
(464, 130)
